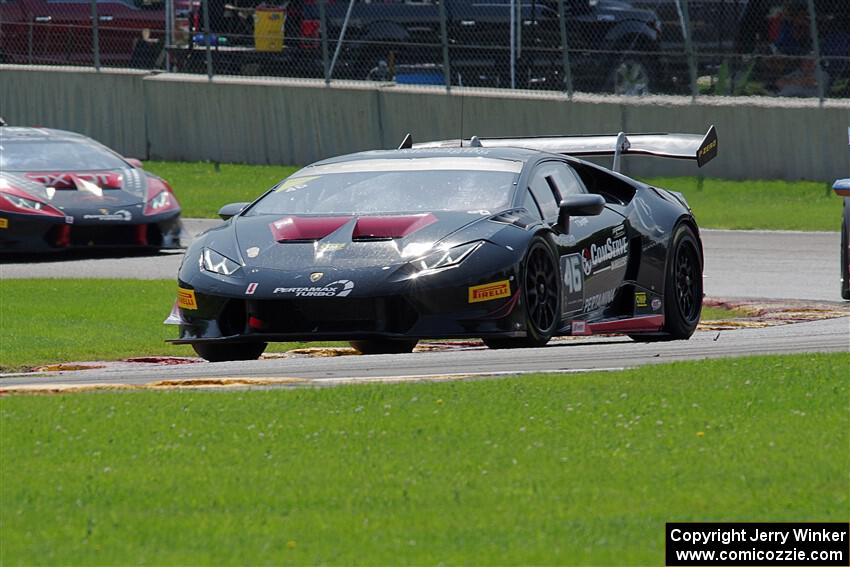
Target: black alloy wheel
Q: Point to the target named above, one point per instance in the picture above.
(542, 296)
(682, 289)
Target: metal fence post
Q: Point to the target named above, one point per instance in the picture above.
(323, 30)
(813, 29)
(205, 6)
(513, 43)
(444, 35)
(94, 35)
(565, 48)
(685, 18)
(341, 38)
(169, 32)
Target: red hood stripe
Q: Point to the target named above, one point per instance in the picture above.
(305, 228)
(391, 227)
(67, 180)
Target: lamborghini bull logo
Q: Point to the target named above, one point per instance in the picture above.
(339, 288)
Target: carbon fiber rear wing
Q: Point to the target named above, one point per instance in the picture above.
(701, 149)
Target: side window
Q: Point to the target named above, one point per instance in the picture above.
(550, 183)
(544, 194)
(531, 205)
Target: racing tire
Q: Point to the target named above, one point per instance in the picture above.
(213, 352)
(384, 346)
(682, 289)
(541, 294)
(845, 254)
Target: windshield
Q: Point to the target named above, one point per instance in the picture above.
(395, 186)
(55, 155)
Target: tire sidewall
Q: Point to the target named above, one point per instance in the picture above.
(533, 334)
(675, 323)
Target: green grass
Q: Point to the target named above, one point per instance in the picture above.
(202, 190)
(721, 313)
(769, 205)
(569, 469)
(41, 324)
(46, 321)
(778, 205)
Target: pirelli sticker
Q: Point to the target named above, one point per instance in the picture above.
(186, 299)
(490, 291)
(4, 223)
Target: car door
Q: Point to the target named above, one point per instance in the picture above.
(593, 250)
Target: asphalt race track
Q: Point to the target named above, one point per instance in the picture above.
(739, 264)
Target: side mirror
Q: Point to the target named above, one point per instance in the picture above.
(134, 162)
(842, 187)
(584, 205)
(231, 210)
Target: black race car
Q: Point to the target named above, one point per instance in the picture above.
(503, 239)
(842, 189)
(61, 190)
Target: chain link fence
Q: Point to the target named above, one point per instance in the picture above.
(798, 48)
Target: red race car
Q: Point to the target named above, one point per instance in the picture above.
(60, 190)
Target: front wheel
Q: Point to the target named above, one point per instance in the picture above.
(384, 346)
(213, 352)
(542, 297)
(682, 289)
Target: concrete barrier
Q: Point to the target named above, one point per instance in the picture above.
(183, 117)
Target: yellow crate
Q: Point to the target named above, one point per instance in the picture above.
(268, 28)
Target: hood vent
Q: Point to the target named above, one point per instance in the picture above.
(371, 228)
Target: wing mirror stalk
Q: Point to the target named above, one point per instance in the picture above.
(586, 205)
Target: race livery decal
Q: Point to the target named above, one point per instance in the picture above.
(656, 304)
(599, 300)
(186, 298)
(104, 215)
(4, 223)
(573, 288)
(339, 288)
(490, 291)
(640, 299)
(252, 287)
(613, 250)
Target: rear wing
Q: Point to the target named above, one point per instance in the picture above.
(700, 148)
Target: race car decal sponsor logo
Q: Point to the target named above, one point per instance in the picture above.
(105, 215)
(708, 147)
(252, 287)
(490, 291)
(656, 304)
(612, 249)
(578, 328)
(599, 300)
(316, 276)
(4, 223)
(573, 288)
(339, 288)
(252, 252)
(186, 298)
(640, 299)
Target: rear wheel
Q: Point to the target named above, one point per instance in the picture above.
(384, 346)
(682, 290)
(229, 351)
(542, 296)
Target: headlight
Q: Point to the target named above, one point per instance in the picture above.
(23, 203)
(160, 203)
(442, 259)
(212, 261)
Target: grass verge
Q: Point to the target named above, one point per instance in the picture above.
(578, 469)
(766, 205)
(779, 205)
(48, 320)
